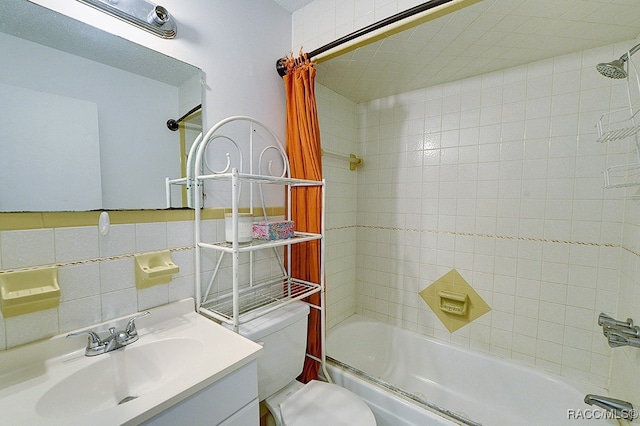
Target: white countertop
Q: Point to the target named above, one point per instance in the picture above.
(38, 381)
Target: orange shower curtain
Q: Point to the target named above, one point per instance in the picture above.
(303, 149)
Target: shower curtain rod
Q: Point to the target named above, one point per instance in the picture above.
(282, 70)
(174, 124)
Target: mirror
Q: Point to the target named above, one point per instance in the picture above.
(84, 116)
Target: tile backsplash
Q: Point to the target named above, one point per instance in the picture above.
(96, 273)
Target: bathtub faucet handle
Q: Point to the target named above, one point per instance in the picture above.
(605, 320)
(619, 333)
(617, 339)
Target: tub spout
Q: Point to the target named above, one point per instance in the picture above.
(622, 409)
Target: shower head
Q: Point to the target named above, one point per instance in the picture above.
(615, 69)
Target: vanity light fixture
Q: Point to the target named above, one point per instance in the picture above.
(141, 13)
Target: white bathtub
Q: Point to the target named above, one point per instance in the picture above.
(471, 385)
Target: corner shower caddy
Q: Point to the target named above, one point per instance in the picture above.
(620, 125)
(247, 301)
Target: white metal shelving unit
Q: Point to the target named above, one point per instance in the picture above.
(248, 300)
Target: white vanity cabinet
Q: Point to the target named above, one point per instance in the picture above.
(232, 400)
(183, 370)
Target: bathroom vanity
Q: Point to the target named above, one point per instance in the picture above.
(183, 369)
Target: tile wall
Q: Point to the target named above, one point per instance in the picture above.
(625, 369)
(338, 127)
(510, 190)
(96, 273)
(500, 177)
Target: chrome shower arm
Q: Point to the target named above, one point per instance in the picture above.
(630, 53)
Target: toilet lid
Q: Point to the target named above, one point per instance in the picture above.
(321, 404)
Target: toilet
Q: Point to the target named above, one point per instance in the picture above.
(283, 335)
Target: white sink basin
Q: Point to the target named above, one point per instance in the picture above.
(178, 353)
(118, 377)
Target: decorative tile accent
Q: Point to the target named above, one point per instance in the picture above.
(87, 261)
(454, 301)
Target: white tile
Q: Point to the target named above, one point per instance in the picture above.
(549, 352)
(3, 334)
(120, 240)
(79, 281)
(551, 313)
(79, 313)
(27, 328)
(117, 275)
(526, 327)
(151, 236)
(581, 297)
(580, 317)
(153, 296)
(180, 234)
(550, 332)
(119, 303)
(76, 243)
(27, 248)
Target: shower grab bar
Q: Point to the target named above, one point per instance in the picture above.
(353, 160)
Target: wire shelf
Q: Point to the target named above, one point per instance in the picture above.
(299, 237)
(267, 296)
(617, 125)
(622, 176)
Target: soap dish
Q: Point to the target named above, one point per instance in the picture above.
(23, 292)
(154, 268)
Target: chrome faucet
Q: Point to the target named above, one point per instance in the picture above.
(621, 409)
(605, 321)
(619, 333)
(115, 339)
(617, 339)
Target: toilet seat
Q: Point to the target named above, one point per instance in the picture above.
(319, 403)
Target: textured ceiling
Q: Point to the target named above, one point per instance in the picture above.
(487, 36)
(293, 5)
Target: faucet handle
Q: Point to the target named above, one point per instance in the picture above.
(92, 342)
(131, 326)
(617, 339)
(605, 320)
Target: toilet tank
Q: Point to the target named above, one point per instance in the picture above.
(283, 335)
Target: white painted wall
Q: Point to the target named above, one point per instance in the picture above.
(236, 43)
